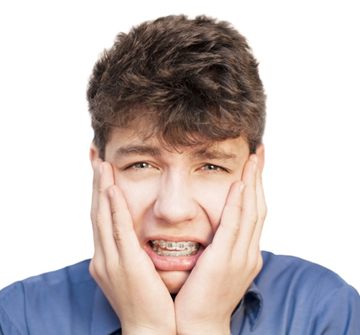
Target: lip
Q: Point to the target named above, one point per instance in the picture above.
(173, 263)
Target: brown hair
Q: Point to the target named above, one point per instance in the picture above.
(192, 79)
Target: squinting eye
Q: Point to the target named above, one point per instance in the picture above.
(140, 165)
(213, 167)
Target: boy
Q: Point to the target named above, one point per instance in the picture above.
(178, 112)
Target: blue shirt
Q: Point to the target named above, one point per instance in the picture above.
(289, 296)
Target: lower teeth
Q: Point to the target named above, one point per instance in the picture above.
(161, 252)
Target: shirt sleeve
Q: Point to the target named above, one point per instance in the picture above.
(338, 313)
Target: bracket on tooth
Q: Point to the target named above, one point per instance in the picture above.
(182, 246)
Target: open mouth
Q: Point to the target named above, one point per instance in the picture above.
(174, 249)
(171, 255)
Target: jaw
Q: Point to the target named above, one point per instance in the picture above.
(174, 280)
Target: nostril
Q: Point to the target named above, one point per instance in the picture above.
(174, 209)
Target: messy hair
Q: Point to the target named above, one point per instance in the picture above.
(192, 80)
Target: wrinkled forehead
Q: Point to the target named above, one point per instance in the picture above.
(176, 128)
(132, 140)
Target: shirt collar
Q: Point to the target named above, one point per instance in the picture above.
(249, 310)
(106, 322)
(253, 305)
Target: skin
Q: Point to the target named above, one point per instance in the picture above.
(212, 195)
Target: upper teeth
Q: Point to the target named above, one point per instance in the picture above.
(171, 245)
(171, 248)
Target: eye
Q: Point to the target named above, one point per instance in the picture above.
(140, 166)
(212, 167)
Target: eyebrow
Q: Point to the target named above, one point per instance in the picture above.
(206, 153)
(154, 151)
(138, 150)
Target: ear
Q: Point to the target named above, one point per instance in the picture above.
(260, 153)
(93, 153)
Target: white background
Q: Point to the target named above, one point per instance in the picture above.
(309, 61)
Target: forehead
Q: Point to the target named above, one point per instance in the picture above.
(126, 141)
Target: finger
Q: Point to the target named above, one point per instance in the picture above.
(95, 187)
(103, 219)
(249, 207)
(227, 232)
(123, 228)
(262, 211)
(94, 203)
(98, 261)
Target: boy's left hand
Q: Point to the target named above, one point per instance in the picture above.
(229, 264)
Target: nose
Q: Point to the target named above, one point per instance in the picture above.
(174, 202)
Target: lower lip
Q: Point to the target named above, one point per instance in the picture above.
(172, 263)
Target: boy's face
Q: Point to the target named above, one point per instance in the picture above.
(174, 196)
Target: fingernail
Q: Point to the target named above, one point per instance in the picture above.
(254, 158)
(254, 161)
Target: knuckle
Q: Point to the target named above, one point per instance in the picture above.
(263, 213)
(117, 236)
(256, 263)
(259, 264)
(103, 270)
(102, 188)
(251, 263)
(265, 210)
(92, 268)
(99, 220)
(115, 215)
(95, 269)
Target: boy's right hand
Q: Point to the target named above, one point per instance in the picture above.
(121, 267)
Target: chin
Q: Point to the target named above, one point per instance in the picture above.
(174, 280)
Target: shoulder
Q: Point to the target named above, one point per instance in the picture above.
(308, 294)
(72, 275)
(290, 269)
(53, 293)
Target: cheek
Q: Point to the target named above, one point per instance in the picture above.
(139, 196)
(212, 197)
